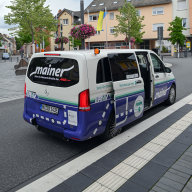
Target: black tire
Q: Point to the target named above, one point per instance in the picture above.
(110, 130)
(172, 96)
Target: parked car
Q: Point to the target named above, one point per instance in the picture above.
(84, 94)
(5, 56)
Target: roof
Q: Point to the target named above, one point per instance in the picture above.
(75, 13)
(98, 5)
(90, 53)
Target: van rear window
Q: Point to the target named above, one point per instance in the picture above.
(54, 71)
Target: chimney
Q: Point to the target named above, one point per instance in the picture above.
(59, 11)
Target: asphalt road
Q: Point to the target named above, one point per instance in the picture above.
(26, 154)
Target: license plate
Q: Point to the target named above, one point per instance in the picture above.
(49, 109)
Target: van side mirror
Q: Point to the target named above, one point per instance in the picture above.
(167, 70)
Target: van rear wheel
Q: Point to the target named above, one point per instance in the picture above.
(110, 130)
(172, 96)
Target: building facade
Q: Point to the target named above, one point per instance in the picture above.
(156, 13)
(66, 20)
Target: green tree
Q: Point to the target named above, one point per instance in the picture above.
(176, 32)
(130, 23)
(74, 42)
(31, 17)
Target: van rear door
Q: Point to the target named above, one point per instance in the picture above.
(128, 87)
(55, 83)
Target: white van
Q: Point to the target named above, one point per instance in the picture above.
(82, 94)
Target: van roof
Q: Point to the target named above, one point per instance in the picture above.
(90, 53)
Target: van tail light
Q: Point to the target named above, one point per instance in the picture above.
(25, 91)
(84, 101)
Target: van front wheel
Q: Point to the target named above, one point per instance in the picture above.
(110, 130)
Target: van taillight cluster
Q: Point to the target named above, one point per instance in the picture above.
(84, 101)
(25, 90)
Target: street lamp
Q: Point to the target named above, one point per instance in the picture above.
(82, 21)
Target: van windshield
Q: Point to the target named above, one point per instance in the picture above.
(54, 71)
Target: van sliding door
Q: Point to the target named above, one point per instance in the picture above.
(128, 87)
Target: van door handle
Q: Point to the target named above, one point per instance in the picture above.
(156, 76)
(138, 81)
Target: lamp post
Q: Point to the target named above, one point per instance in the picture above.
(82, 21)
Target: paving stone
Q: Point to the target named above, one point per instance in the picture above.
(173, 184)
(185, 165)
(106, 163)
(78, 182)
(190, 149)
(158, 189)
(61, 188)
(185, 138)
(118, 155)
(149, 175)
(166, 187)
(94, 172)
(175, 178)
(188, 154)
(182, 169)
(188, 187)
(133, 145)
(179, 173)
(170, 154)
(131, 187)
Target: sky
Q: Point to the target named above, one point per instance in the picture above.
(54, 5)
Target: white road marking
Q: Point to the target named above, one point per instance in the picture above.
(64, 172)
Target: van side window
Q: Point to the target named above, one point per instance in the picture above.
(103, 71)
(124, 66)
(157, 64)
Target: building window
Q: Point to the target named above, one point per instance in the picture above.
(112, 30)
(156, 25)
(61, 27)
(65, 21)
(111, 16)
(184, 22)
(158, 11)
(61, 34)
(93, 17)
(181, 4)
(98, 32)
(138, 12)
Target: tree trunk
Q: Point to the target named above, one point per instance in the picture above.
(178, 55)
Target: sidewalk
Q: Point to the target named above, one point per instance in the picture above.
(11, 86)
(154, 155)
(157, 160)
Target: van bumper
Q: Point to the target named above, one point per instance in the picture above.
(68, 134)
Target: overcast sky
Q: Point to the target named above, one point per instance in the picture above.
(54, 5)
